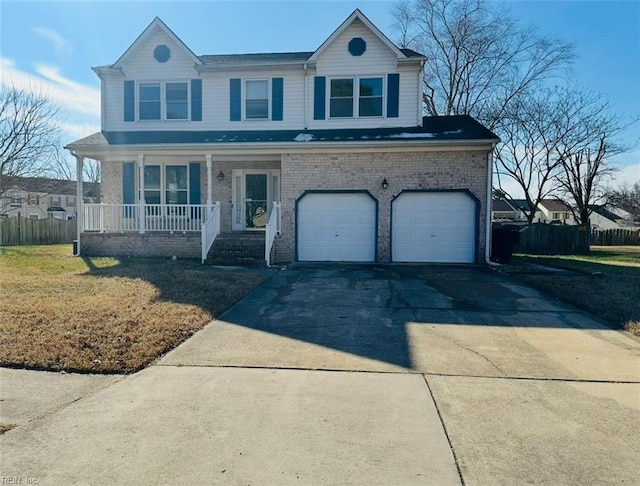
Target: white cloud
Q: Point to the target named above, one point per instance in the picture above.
(62, 47)
(629, 172)
(79, 102)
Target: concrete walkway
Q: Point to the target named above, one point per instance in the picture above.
(358, 375)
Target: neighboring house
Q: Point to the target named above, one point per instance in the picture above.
(41, 198)
(325, 151)
(555, 211)
(522, 208)
(604, 218)
(503, 211)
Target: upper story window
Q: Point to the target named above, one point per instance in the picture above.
(257, 99)
(177, 100)
(344, 92)
(56, 201)
(370, 97)
(341, 98)
(71, 201)
(15, 199)
(149, 106)
(169, 101)
(34, 200)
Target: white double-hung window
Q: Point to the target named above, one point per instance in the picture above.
(166, 184)
(359, 97)
(257, 99)
(177, 101)
(168, 101)
(149, 101)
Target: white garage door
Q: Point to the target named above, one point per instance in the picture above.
(336, 227)
(433, 227)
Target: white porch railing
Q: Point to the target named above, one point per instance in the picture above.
(272, 229)
(210, 229)
(173, 218)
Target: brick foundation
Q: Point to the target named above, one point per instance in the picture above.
(146, 245)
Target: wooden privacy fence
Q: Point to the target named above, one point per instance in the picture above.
(551, 239)
(615, 237)
(24, 231)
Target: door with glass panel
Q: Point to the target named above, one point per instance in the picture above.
(254, 193)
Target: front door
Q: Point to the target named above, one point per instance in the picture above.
(253, 194)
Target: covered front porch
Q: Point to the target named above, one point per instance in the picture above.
(155, 205)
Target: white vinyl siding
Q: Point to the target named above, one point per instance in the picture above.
(335, 62)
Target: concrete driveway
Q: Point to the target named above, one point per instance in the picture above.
(361, 375)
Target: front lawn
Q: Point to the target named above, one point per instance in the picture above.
(606, 282)
(105, 315)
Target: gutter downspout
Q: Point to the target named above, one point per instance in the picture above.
(421, 101)
(306, 123)
(487, 241)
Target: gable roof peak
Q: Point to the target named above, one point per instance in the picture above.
(357, 14)
(156, 23)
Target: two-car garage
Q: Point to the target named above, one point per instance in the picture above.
(426, 226)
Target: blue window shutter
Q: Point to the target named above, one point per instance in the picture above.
(128, 183)
(319, 97)
(129, 187)
(129, 101)
(235, 99)
(393, 95)
(194, 182)
(277, 98)
(196, 100)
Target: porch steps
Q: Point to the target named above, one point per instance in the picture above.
(238, 249)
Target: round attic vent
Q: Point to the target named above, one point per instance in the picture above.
(357, 46)
(161, 53)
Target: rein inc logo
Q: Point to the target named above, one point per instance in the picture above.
(17, 480)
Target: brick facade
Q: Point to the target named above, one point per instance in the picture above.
(365, 170)
(141, 245)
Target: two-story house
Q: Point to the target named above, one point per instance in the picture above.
(42, 197)
(320, 156)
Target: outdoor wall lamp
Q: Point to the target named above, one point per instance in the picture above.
(221, 176)
(385, 183)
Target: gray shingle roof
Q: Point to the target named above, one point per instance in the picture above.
(224, 60)
(49, 186)
(435, 128)
(554, 205)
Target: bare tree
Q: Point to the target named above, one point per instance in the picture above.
(530, 130)
(585, 152)
(559, 142)
(29, 133)
(64, 167)
(626, 197)
(479, 58)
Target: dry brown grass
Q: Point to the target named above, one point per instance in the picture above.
(105, 315)
(606, 282)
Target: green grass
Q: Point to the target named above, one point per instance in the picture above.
(606, 282)
(105, 315)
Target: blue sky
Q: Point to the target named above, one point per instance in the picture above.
(53, 44)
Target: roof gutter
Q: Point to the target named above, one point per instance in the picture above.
(287, 146)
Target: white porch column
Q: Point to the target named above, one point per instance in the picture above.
(141, 202)
(79, 200)
(209, 184)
